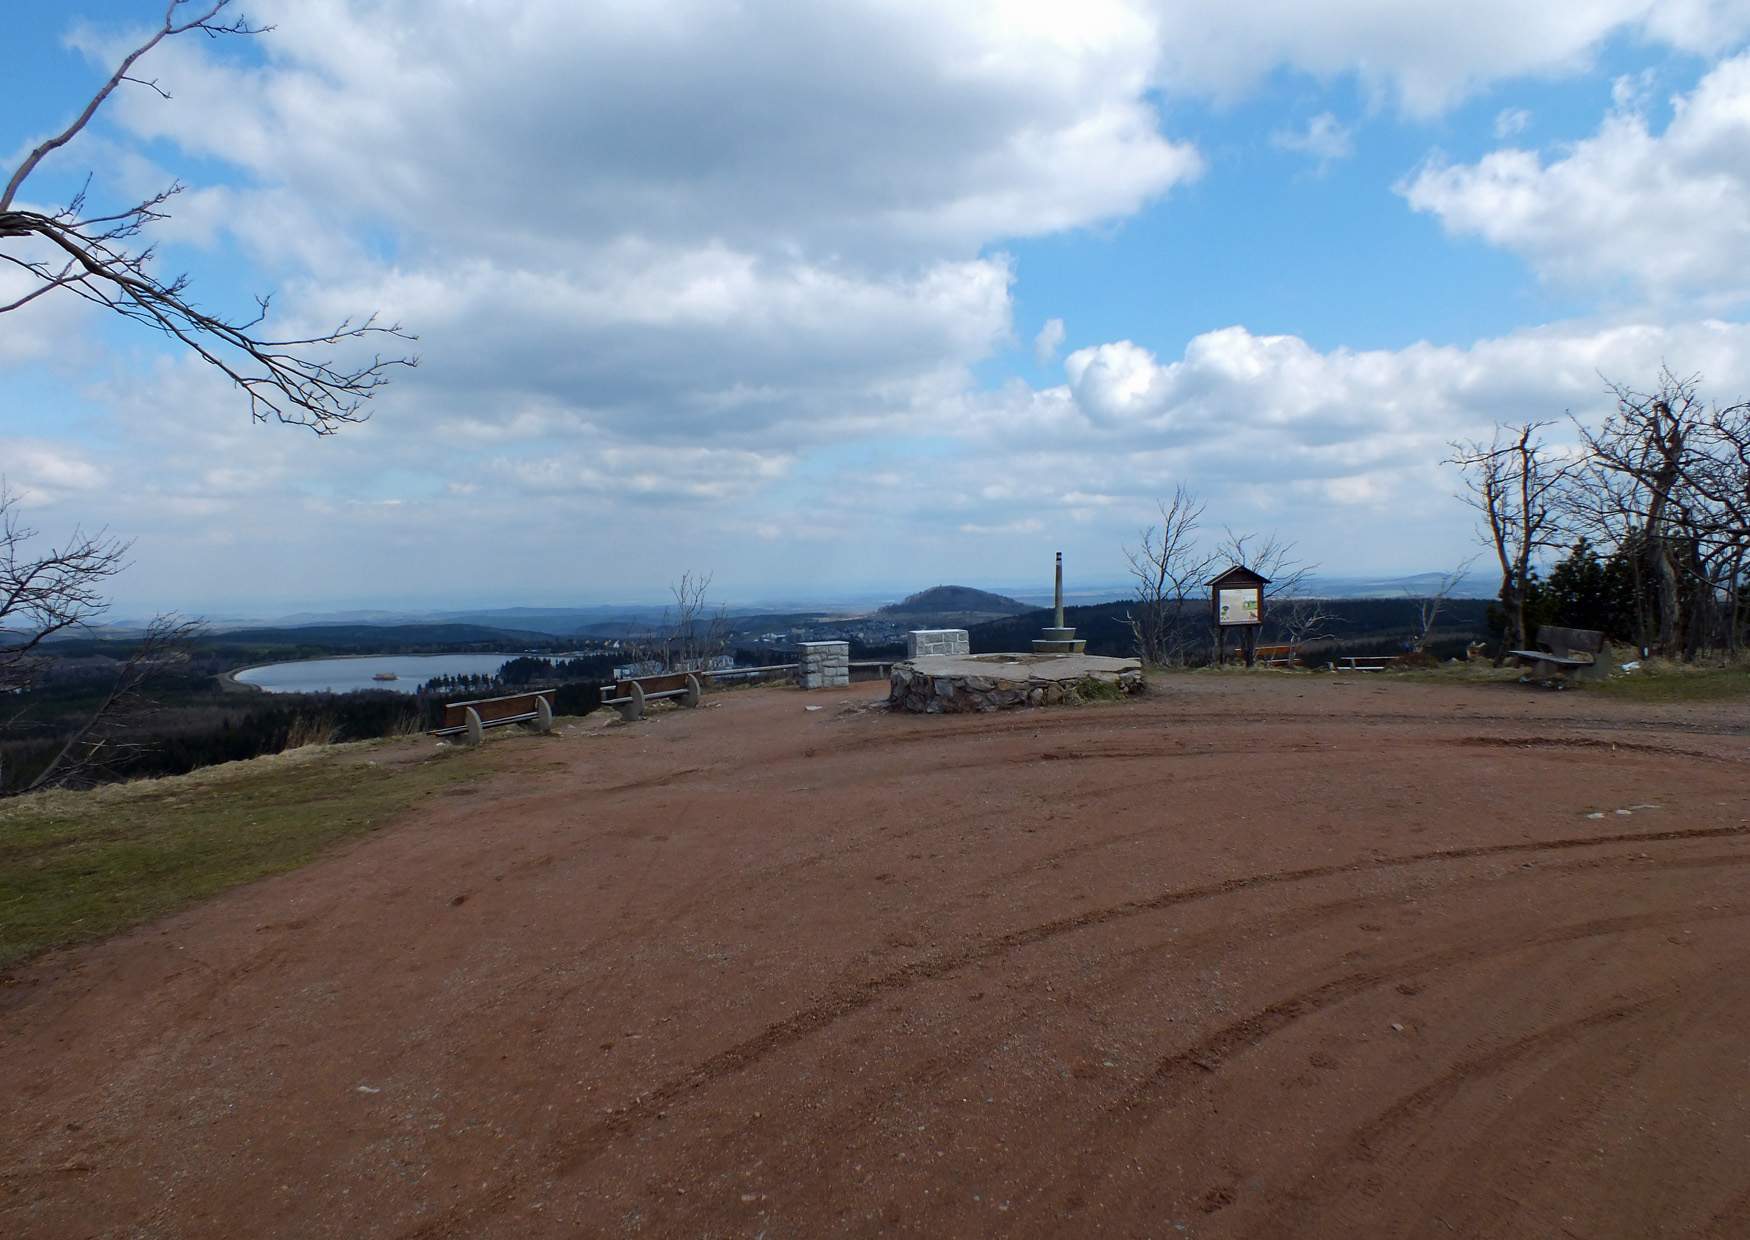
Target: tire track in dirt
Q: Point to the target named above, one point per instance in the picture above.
(1314, 1189)
(1211, 1054)
(573, 1151)
(1295, 921)
(1180, 1073)
(975, 1043)
(1593, 743)
(1364, 1146)
(659, 780)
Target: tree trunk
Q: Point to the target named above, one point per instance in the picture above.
(1668, 602)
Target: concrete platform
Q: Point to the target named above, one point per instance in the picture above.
(950, 684)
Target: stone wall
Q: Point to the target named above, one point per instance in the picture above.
(825, 665)
(937, 641)
(954, 688)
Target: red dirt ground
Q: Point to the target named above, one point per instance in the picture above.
(1253, 956)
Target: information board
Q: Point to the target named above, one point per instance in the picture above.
(1241, 606)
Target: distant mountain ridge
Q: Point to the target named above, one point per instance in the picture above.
(954, 600)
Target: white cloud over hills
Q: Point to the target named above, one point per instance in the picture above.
(690, 276)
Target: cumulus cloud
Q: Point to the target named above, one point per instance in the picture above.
(1363, 426)
(1660, 211)
(1425, 57)
(766, 127)
(683, 221)
(686, 272)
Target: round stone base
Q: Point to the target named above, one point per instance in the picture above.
(955, 684)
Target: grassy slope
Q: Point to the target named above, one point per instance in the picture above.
(76, 866)
(1678, 684)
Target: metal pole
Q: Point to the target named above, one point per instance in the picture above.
(1060, 589)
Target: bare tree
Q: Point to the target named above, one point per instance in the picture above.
(102, 744)
(1516, 482)
(1650, 443)
(95, 254)
(1429, 604)
(697, 634)
(46, 590)
(1303, 619)
(1168, 568)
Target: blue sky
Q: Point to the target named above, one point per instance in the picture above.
(759, 289)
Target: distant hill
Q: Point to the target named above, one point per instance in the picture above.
(956, 601)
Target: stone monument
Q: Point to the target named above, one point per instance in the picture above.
(1057, 639)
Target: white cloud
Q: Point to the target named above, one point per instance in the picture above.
(1424, 56)
(1048, 341)
(659, 254)
(1510, 122)
(772, 127)
(1662, 211)
(43, 473)
(1324, 139)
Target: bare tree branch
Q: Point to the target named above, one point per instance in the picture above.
(290, 380)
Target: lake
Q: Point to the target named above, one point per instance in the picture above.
(348, 674)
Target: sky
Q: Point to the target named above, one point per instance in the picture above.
(836, 298)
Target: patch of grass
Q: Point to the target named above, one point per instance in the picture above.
(1094, 689)
(1674, 684)
(77, 866)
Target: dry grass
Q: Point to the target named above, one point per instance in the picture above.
(76, 866)
(1668, 680)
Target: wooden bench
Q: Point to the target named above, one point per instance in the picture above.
(1562, 653)
(1276, 656)
(631, 695)
(471, 719)
(1365, 662)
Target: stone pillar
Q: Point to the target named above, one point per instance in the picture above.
(694, 690)
(824, 665)
(937, 641)
(1058, 639)
(543, 714)
(1059, 593)
(476, 730)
